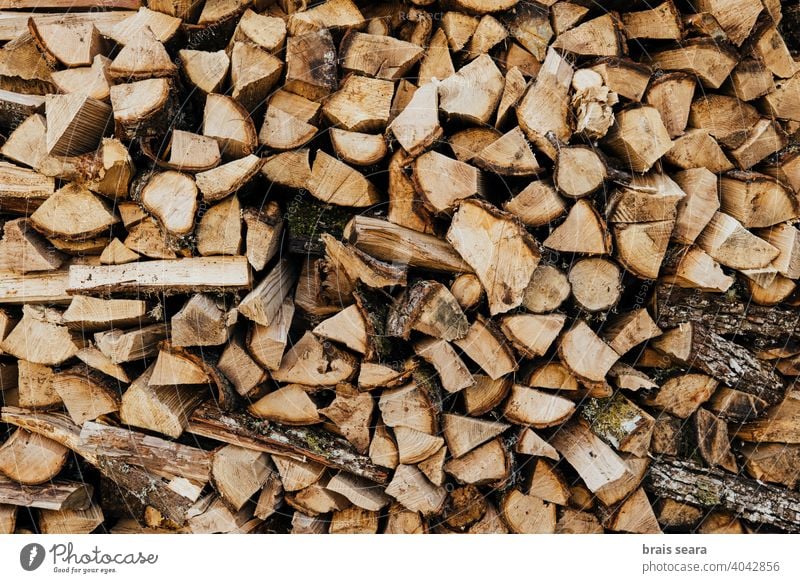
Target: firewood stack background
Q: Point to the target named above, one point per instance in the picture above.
(474, 266)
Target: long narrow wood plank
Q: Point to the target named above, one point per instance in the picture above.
(48, 287)
(13, 24)
(193, 274)
(70, 4)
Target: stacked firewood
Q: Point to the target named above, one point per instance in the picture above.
(470, 266)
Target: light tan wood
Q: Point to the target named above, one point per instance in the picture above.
(238, 473)
(473, 92)
(526, 514)
(536, 408)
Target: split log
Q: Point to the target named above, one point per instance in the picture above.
(30, 459)
(57, 495)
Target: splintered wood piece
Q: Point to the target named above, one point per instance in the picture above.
(73, 44)
(525, 514)
(172, 198)
(217, 183)
(241, 369)
(464, 434)
(333, 14)
(629, 329)
(672, 95)
(378, 56)
(553, 375)
(334, 182)
(478, 227)
(297, 475)
(773, 462)
(635, 515)
(264, 230)
(487, 347)
(41, 337)
(205, 70)
(485, 394)
(778, 425)
(311, 64)
(142, 57)
(267, 32)
(529, 443)
(23, 250)
(351, 411)
(642, 246)
(712, 440)
(254, 72)
(699, 205)
(566, 15)
(31, 459)
(596, 463)
(267, 343)
(705, 58)
(116, 253)
(414, 446)
(8, 518)
(472, 94)
(509, 155)
(290, 405)
(756, 200)
(220, 229)
(453, 373)
(71, 521)
(513, 91)
(35, 386)
(238, 473)
(86, 394)
(76, 123)
(23, 189)
(347, 327)
(697, 149)
(311, 363)
(538, 409)
(532, 334)
(547, 290)
(548, 484)
(417, 126)
(621, 423)
(121, 346)
(489, 33)
(468, 143)
(93, 314)
(786, 239)
(383, 449)
(436, 61)
(600, 37)
(585, 354)
(583, 231)
(405, 209)
(200, 322)
(662, 22)
(529, 24)
(192, 152)
(486, 464)
(362, 104)
(545, 106)
(355, 265)
(639, 137)
(696, 269)
(537, 204)
(164, 409)
(409, 406)
(596, 283)
(415, 492)
(283, 131)
(354, 520)
(579, 171)
(142, 108)
(357, 148)
(263, 303)
(736, 18)
(73, 213)
(162, 25)
(230, 124)
(443, 182)
(173, 368)
(727, 241)
(390, 242)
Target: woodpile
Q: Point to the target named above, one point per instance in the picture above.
(476, 266)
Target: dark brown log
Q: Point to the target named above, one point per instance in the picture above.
(710, 488)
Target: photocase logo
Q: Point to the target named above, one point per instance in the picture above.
(31, 556)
